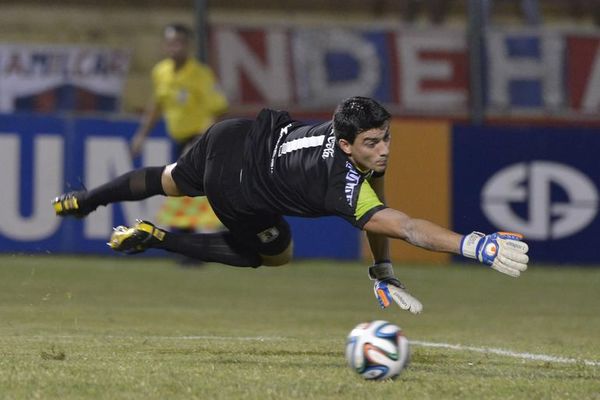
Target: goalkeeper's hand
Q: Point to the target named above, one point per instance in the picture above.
(387, 288)
(503, 251)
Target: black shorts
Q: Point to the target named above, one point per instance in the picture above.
(212, 168)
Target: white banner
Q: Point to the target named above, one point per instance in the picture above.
(29, 70)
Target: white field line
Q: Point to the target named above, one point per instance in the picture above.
(458, 347)
(201, 337)
(224, 338)
(508, 353)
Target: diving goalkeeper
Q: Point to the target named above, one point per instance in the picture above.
(254, 172)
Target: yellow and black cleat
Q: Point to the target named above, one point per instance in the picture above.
(137, 238)
(70, 204)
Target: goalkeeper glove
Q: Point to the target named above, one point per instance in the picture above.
(503, 251)
(387, 288)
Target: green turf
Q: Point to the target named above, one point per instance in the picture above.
(136, 328)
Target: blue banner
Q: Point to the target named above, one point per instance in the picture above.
(541, 182)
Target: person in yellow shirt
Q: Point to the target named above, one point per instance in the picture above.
(186, 93)
(187, 96)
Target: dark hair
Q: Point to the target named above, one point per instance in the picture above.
(356, 115)
(179, 29)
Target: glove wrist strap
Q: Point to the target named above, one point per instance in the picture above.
(468, 244)
(382, 270)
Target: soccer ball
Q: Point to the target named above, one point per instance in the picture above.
(377, 350)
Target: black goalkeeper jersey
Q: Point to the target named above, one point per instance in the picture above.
(292, 168)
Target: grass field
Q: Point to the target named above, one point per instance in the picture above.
(136, 328)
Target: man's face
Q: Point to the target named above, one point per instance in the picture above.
(370, 149)
(176, 45)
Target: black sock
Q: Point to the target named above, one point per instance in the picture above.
(220, 247)
(135, 185)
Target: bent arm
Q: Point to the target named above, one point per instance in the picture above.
(151, 116)
(379, 244)
(418, 232)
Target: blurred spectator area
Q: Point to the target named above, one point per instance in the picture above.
(137, 24)
(436, 11)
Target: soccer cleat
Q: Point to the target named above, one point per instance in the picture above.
(136, 239)
(71, 204)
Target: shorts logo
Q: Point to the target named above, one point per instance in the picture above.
(268, 235)
(352, 180)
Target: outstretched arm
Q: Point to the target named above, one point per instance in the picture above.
(390, 223)
(503, 251)
(419, 232)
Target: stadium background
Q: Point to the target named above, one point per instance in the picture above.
(495, 134)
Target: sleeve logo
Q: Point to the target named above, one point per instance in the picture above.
(352, 180)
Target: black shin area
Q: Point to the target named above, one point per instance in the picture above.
(135, 185)
(221, 247)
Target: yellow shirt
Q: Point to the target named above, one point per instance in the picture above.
(189, 97)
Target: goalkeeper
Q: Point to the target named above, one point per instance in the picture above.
(254, 172)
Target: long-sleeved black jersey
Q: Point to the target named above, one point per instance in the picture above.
(292, 168)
